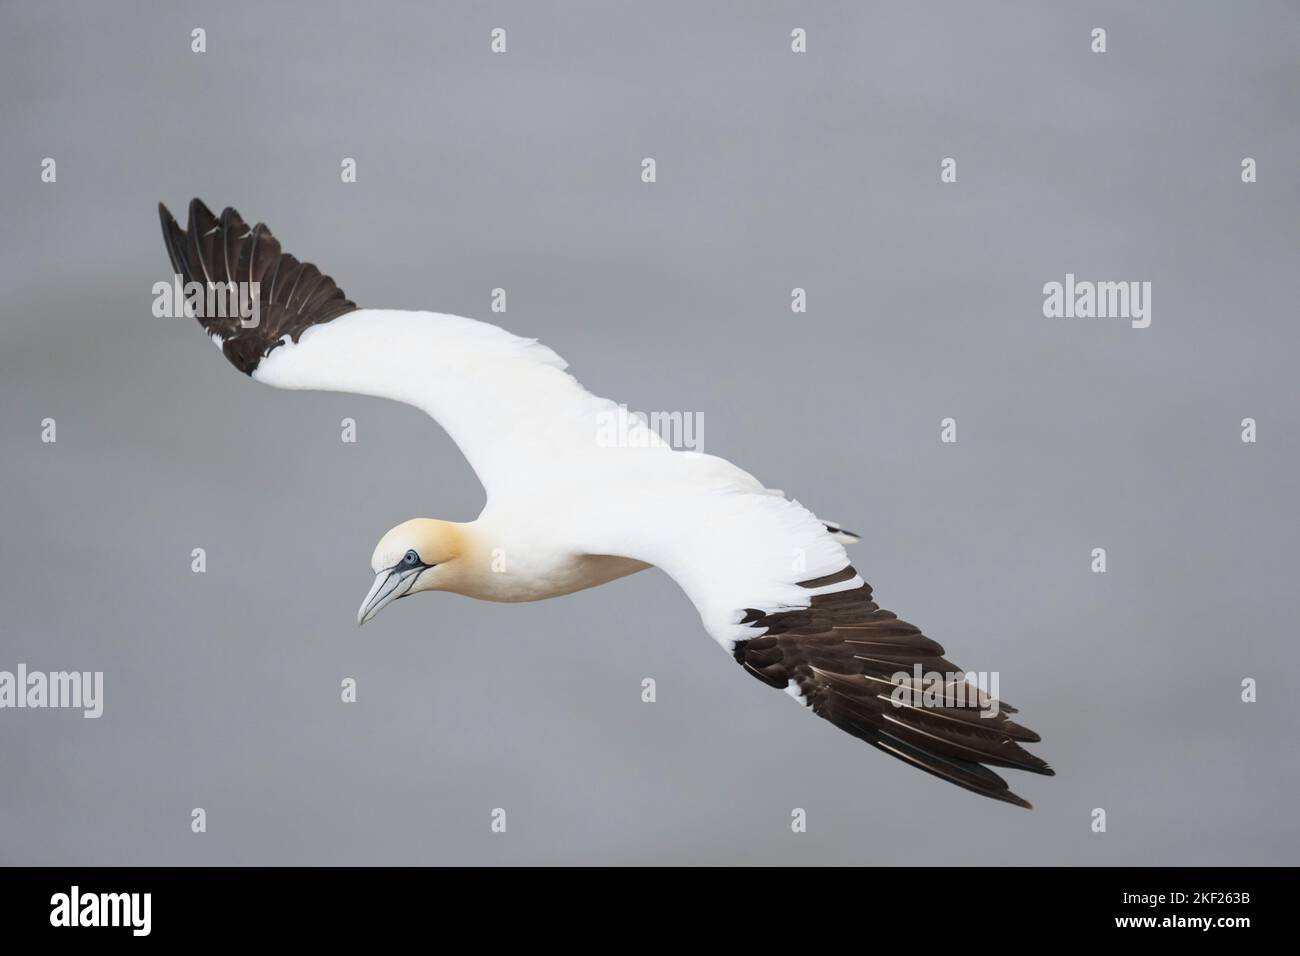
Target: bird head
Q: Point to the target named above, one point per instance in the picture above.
(417, 555)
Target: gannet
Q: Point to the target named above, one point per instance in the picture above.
(772, 583)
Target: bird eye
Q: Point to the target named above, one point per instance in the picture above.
(411, 558)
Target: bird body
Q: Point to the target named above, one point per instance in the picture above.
(569, 507)
(503, 557)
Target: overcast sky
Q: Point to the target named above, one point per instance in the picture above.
(774, 170)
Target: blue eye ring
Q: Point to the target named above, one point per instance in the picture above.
(411, 559)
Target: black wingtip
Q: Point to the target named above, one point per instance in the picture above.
(173, 239)
(168, 221)
(213, 249)
(198, 209)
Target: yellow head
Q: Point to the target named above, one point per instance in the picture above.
(417, 555)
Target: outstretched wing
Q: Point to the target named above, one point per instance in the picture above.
(292, 295)
(506, 401)
(777, 591)
(883, 681)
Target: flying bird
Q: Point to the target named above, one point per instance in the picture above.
(566, 511)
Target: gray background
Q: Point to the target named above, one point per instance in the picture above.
(775, 171)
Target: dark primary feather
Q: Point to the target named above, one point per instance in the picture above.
(843, 651)
(293, 296)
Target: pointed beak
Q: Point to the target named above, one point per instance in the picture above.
(389, 586)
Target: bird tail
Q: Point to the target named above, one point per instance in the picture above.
(840, 534)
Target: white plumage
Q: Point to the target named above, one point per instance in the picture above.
(555, 491)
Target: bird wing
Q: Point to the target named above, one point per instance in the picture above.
(506, 401)
(294, 295)
(777, 591)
